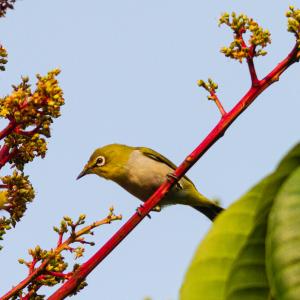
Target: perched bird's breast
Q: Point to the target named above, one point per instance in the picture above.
(142, 175)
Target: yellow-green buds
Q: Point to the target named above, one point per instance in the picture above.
(293, 16)
(3, 56)
(19, 192)
(209, 86)
(239, 49)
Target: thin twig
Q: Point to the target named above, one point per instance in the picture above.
(215, 98)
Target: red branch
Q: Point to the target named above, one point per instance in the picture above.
(28, 133)
(3, 154)
(218, 131)
(6, 155)
(8, 129)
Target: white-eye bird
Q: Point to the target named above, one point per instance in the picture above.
(140, 171)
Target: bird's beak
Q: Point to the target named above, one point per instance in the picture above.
(82, 173)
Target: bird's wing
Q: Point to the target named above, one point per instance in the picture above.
(160, 158)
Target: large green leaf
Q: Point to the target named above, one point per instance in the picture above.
(283, 241)
(230, 261)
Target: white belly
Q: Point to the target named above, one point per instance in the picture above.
(144, 175)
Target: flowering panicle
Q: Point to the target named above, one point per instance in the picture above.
(29, 114)
(48, 267)
(239, 49)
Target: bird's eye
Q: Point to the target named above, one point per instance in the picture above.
(100, 161)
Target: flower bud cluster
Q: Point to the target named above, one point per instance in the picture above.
(19, 193)
(27, 109)
(240, 25)
(209, 86)
(293, 16)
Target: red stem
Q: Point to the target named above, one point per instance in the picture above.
(60, 275)
(32, 266)
(60, 238)
(30, 293)
(8, 129)
(249, 59)
(5, 155)
(56, 274)
(252, 71)
(218, 131)
(218, 103)
(28, 133)
(3, 152)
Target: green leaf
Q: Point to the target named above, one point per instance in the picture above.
(230, 261)
(283, 241)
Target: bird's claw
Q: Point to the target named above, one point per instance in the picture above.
(138, 210)
(178, 184)
(172, 175)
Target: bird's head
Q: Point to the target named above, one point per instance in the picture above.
(107, 161)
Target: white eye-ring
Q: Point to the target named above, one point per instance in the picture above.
(100, 161)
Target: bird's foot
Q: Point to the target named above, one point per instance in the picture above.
(138, 210)
(178, 184)
(172, 175)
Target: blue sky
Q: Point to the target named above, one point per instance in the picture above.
(129, 73)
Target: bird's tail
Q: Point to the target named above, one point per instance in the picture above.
(210, 211)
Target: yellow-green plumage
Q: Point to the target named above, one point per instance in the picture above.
(140, 171)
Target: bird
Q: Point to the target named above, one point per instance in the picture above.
(140, 171)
